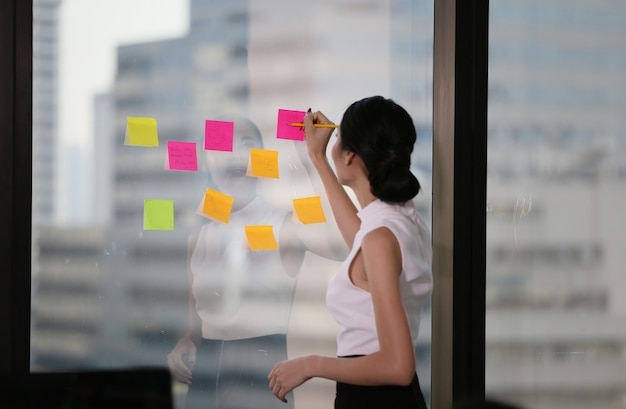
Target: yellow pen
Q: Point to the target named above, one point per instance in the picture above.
(300, 124)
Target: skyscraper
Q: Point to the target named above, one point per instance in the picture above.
(555, 282)
(45, 109)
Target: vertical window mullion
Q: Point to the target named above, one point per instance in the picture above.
(459, 197)
(15, 183)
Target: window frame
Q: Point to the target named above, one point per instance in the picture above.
(16, 22)
(459, 199)
(459, 193)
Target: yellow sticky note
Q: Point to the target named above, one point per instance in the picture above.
(309, 210)
(261, 238)
(158, 214)
(216, 206)
(141, 132)
(263, 163)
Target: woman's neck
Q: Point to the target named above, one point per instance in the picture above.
(363, 192)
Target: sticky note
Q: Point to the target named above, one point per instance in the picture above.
(284, 130)
(158, 214)
(218, 135)
(263, 163)
(309, 210)
(141, 132)
(261, 238)
(216, 206)
(181, 156)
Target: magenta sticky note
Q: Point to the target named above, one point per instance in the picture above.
(218, 135)
(182, 156)
(284, 130)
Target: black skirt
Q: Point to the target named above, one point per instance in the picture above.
(380, 397)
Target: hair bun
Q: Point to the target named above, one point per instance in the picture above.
(394, 184)
(382, 133)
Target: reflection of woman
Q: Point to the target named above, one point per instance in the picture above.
(378, 294)
(240, 299)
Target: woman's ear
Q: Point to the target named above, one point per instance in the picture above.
(348, 157)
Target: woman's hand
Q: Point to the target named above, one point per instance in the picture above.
(288, 375)
(316, 138)
(182, 359)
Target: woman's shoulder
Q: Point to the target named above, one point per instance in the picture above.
(378, 236)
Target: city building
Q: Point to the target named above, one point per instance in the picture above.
(67, 308)
(45, 85)
(555, 174)
(555, 283)
(45, 109)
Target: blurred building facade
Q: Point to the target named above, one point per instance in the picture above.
(44, 125)
(45, 109)
(45, 116)
(67, 308)
(556, 187)
(129, 304)
(556, 178)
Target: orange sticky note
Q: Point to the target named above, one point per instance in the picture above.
(141, 132)
(216, 206)
(261, 238)
(309, 210)
(263, 163)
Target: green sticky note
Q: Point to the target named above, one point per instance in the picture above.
(158, 214)
(141, 132)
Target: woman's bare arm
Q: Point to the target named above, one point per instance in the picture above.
(394, 363)
(343, 208)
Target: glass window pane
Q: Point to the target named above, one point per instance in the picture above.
(556, 192)
(117, 227)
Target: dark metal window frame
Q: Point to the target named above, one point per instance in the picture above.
(459, 193)
(16, 25)
(459, 199)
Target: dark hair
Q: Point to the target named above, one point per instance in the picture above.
(382, 133)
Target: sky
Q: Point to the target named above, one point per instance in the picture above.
(89, 31)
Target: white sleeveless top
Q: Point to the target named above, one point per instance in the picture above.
(352, 306)
(240, 293)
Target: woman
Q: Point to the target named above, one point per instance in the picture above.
(378, 294)
(240, 300)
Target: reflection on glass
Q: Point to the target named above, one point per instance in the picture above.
(106, 292)
(240, 298)
(556, 193)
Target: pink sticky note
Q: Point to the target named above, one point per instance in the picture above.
(218, 135)
(181, 156)
(284, 130)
